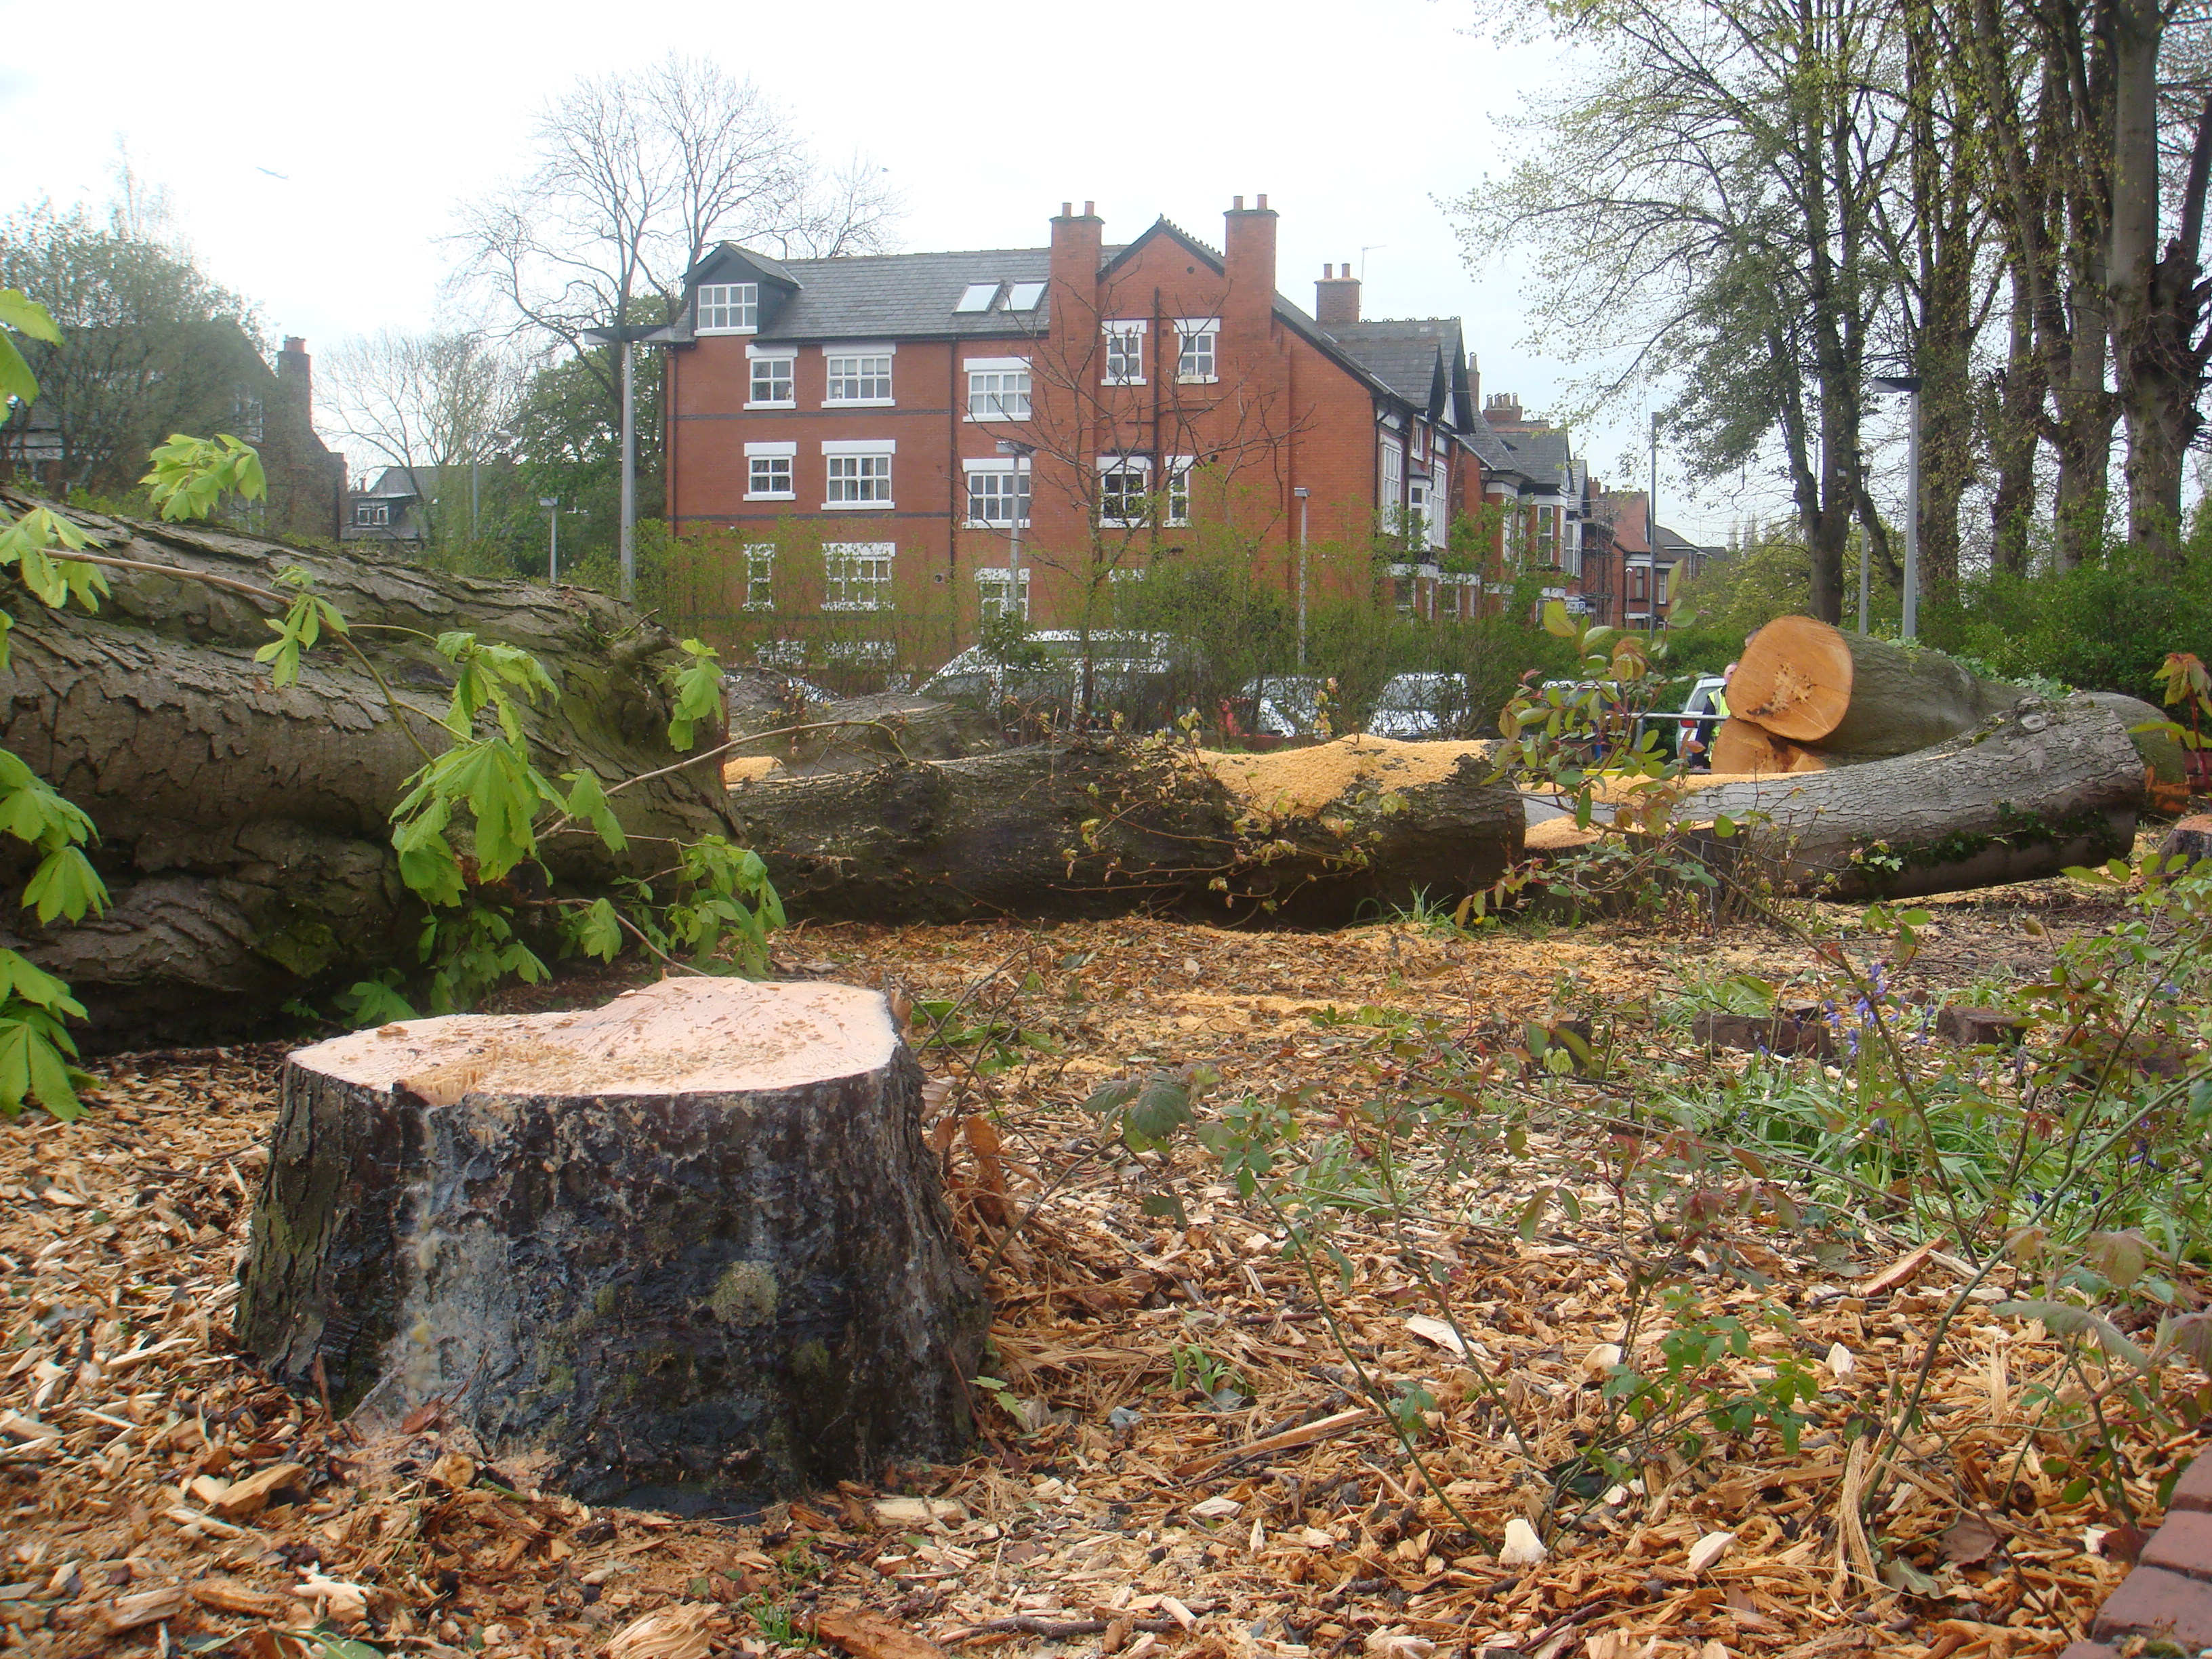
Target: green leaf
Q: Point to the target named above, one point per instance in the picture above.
(25, 315)
(65, 885)
(600, 933)
(588, 801)
(1556, 622)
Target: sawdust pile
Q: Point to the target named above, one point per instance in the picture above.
(1301, 781)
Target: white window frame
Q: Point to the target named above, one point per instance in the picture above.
(835, 451)
(1190, 331)
(1175, 514)
(975, 367)
(786, 453)
(760, 576)
(871, 572)
(736, 307)
(992, 582)
(999, 465)
(1439, 503)
(371, 515)
(1141, 465)
(832, 356)
(1394, 486)
(773, 354)
(1117, 335)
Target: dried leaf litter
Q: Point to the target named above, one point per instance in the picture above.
(156, 1491)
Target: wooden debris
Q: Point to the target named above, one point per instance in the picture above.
(867, 1635)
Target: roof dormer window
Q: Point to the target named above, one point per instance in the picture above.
(1025, 296)
(729, 308)
(977, 296)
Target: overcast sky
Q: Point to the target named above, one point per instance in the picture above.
(314, 156)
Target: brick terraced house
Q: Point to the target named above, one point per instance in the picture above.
(890, 427)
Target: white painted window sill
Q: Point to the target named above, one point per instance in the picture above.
(859, 402)
(773, 495)
(858, 506)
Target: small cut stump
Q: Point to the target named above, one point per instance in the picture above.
(688, 1245)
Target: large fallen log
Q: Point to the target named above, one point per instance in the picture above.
(1854, 695)
(2023, 796)
(689, 1244)
(244, 831)
(1100, 827)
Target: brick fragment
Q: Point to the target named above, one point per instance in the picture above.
(2182, 1544)
(2194, 1490)
(2152, 1602)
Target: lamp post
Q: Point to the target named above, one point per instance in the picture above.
(552, 505)
(1910, 385)
(1652, 540)
(1302, 494)
(627, 335)
(1020, 453)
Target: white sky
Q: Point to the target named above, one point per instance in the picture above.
(1351, 118)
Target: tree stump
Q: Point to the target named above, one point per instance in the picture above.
(688, 1245)
(1852, 694)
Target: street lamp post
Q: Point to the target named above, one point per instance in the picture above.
(1302, 494)
(1019, 451)
(1910, 385)
(552, 505)
(627, 335)
(1652, 540)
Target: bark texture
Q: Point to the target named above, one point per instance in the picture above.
(690, 1245)
(244, 831)
(2021, 797)
(1097, 827)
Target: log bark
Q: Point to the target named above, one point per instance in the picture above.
(244, 831)
(1852, 694)
(688, 1245)
(2024, 796)
(1102, 827)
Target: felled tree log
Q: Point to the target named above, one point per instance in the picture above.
(1099, 827)
(688, 1244)
(244, 831)
(1741, 746)
(1851, 694)
(2025, 795)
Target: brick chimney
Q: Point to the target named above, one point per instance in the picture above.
(1248, 246)
(1502, 411)
(1336, 296)
(1077, 241)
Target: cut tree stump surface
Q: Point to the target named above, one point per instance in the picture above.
(682, 1036)
(689, 1244)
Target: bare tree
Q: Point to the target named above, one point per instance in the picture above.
(637, 175)
(429, 403)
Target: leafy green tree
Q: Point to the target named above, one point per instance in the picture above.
(146, 344)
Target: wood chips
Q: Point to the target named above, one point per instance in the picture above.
(156, 1492)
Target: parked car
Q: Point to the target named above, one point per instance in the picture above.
(1282, 705)
(1140, 676)
(1423, 706)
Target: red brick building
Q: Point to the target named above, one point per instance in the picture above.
(889, 428)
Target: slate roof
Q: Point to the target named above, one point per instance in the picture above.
(1545, 457)
(910, 296)
(1405, 354)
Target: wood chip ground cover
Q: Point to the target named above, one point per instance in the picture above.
(157, 1496)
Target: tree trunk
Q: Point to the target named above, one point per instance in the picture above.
(244, 830)
(1741, 747)
(2046, 787)
(690, 1244)
(1095, 828)
(1853, 693)
(2009, 418)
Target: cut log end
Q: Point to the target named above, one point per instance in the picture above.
(1741, 747)
(680, 1036)
(1794, 678)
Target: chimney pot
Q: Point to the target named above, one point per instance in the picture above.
(1090, 209)
(1237, 206)
(1068, 209)
(294, 343)
(1263, 201)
